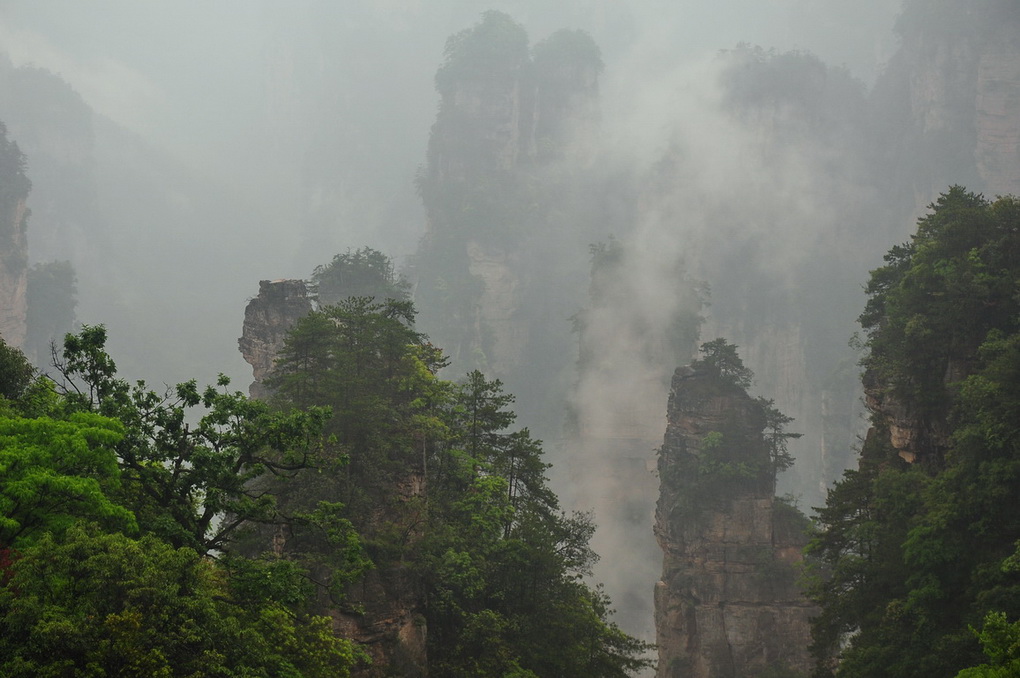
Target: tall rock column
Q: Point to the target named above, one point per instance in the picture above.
(728, 604)
(267, 319)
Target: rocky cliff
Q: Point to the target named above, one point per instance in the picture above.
(728, 603)
(267, 319)
(14, 187)
(957, 77)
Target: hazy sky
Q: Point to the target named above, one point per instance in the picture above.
(191, 74)
(268, 97)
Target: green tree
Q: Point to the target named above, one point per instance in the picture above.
(498, 561)
(190, 480)
(912, 552)
(16, 373)
(54, 472)
(721, 358)
(101, 604)
(1000, 641)
(502, 561)
(363, 273)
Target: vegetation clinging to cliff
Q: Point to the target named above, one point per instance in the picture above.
(497, 561)
(917, 555)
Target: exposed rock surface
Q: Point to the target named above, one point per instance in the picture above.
(961, 76)
(267, 319)
(997, 110)
(728, 604)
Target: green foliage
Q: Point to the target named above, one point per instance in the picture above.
(937, 298)
(191, 482)
(502, 561)
(89, 598)
(722, 359)
(912, 555)
(498, 561)
(776, 435)
(54, 472)
(16, 372)
(363, 273)
(104, 604)
(1000, 641)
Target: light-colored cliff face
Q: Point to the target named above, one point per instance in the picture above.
(13, 271)
(963, 89)
(728, 604)
(997, 111)
(267, 319)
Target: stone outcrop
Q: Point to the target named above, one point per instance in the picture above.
(728, 604)
(267, 319)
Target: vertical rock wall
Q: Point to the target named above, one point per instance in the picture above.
(267, 319)
(728, 604)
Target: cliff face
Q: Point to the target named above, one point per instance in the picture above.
(14, 187)
(267, 319)
(961, 75)
(997, 110)
(728, 604)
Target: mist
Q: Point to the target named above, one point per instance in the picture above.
(218, 144)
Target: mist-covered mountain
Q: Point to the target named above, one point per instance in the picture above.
(580, 195)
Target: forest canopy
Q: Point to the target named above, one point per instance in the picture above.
(197, 531)
(917, 547)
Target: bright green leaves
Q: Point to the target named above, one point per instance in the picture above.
(186, 469)
(104, 604)
(1000, 641)
(54, 472)
(190, 482)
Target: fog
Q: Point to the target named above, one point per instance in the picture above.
(231, 141)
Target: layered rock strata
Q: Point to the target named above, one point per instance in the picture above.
(728, 604)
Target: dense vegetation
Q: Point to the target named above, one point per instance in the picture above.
(117, 509)
(198, 532)
(437, 483)
(915, 556)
